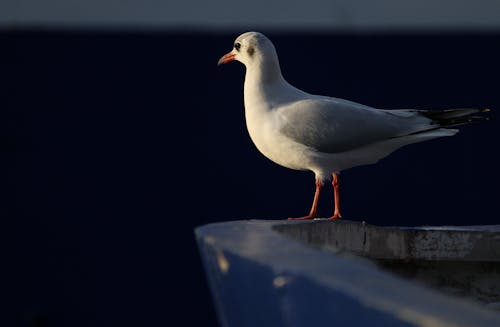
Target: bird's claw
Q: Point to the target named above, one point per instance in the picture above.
(336, 215)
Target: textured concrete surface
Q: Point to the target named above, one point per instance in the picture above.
(473, 243)
(261, 277)
(461, 261)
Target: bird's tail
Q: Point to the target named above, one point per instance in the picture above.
(456, 117)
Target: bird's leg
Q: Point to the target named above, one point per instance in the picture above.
(336, 197)
(312, 213)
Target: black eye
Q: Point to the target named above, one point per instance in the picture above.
(237, 46)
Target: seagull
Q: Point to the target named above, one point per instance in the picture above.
(323, 134)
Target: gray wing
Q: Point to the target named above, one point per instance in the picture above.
(333, 125)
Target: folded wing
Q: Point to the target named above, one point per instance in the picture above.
(333, 125)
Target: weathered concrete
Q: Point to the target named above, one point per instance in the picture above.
(461, 261)
(473, 243)
(262, 277)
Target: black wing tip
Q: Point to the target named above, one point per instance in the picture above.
(456, 117)
(489, 114)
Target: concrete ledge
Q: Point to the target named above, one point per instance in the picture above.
(461, 261)
(468, 243)
(261, 277)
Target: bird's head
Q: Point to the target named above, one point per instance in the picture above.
(249, 48)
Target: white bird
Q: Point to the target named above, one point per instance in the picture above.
(322, 134)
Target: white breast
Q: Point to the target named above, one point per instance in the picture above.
(264, 128)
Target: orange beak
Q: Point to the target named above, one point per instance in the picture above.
(226, 58)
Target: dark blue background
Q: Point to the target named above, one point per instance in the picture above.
(117, 144)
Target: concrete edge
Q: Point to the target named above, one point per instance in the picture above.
(448, 243)
(256, 242)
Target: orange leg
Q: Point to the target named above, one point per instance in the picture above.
(336, 197)
(312, 213)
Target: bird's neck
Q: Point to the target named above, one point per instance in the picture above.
(264, 83)
(265, 70)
